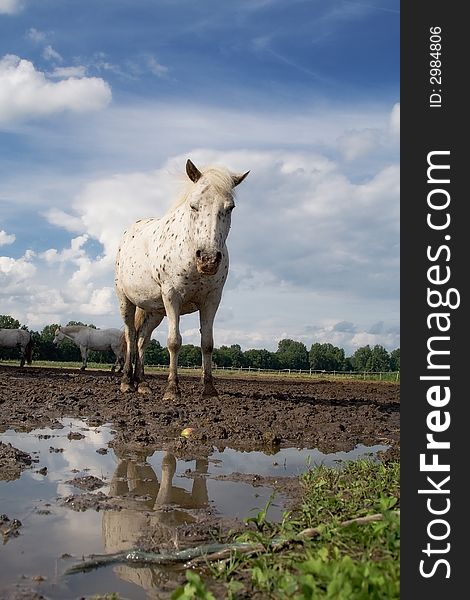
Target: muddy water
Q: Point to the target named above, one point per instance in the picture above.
(137, 494)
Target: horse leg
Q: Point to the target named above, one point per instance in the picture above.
(23, 357)
(206, 318)
(172, 309)
(84, 353)
(128, 314)
(148, 324)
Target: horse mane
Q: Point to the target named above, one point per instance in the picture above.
(217, 177)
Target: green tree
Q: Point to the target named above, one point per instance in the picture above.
(73, 323)
(229, 356)
(190, 356)
(361, 357)
(155, 354)
(379, 359)
(326, 357)
(395, 360)
(292, 355)
(7, 322)
(261, 359)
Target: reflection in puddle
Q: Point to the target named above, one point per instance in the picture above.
(143, 495)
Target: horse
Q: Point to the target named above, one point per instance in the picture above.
(173, 266)
(18, 338)
(88, 338)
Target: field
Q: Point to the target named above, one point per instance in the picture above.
(252, 413)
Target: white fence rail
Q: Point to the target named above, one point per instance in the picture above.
(380, 375)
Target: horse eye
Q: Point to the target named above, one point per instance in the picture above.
(194, 206)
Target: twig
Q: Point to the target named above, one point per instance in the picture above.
(202, 554)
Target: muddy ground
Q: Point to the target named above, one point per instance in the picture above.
(250, 413)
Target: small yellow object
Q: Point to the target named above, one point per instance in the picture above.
(187, 432)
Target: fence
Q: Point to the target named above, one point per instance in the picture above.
(378, 375)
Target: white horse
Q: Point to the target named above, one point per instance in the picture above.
(18, 338)
(88, 338)
(173, 266)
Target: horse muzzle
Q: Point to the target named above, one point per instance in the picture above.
(208, 263)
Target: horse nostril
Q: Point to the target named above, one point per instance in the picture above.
(198, 253)
(219, 255)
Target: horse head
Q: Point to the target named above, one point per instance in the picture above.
(211, 202)
(58, 336)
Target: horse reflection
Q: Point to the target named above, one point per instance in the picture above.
(150, 506)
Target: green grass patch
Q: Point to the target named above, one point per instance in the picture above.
(359, 561)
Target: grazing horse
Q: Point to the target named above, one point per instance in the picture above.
(173, 266)
(88, 338)
(18, 338)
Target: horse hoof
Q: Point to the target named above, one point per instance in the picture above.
(209, 391)
(144, 388)
(172, 395)
(126, 388)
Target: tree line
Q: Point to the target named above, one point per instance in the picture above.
(290, 354)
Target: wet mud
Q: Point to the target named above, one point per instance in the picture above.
(248, 414)
(142, 510)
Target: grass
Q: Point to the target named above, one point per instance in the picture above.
(353, 562)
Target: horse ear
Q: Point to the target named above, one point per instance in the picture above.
(192, 171)
(237, 179)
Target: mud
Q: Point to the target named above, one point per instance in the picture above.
(13, 461)
(248, 414)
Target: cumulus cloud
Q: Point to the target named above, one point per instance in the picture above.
(14, 273)
(26, 92)
(358, 143)
(10, 7)
(6, 238)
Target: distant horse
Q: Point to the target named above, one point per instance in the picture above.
(88, 338)
(18, 338)
(173, 266)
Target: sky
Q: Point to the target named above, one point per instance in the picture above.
(102, 102)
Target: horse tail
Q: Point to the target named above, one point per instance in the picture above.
(28, 351)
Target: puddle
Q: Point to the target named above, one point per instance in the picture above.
(155, 493)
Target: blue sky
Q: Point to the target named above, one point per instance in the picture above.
(101, 102)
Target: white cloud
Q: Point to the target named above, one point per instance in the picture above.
(35, 35)
(50, 54)
(26, 92)
(101, 302)
(14, 273)
(65, 72)
(6, 238)
(155, 67)
(62, 219)
(10, 7)
(357, 143)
